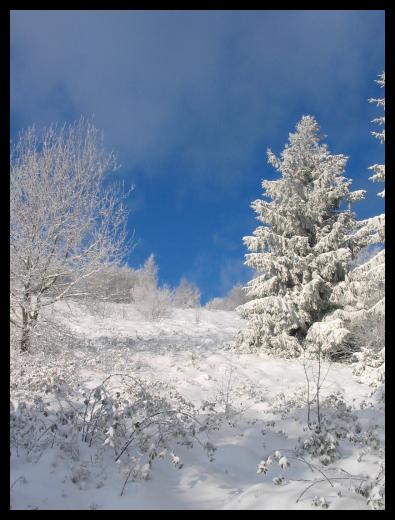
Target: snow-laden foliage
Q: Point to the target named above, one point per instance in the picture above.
(235, 297)
(379, 169)
(153, 302)
(186, 295)
(124, 419)
(113, 285)
(355, 330)
(123, 284)
(65, 224)
(361, 296)
(321, 453)
(70, 400)
(363, 286)
(372, 230)
(333, 338)
(302, 248)
(361, 301)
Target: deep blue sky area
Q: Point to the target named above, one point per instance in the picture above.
(190, 101)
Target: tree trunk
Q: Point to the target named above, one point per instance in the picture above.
(25, 337)
(29, 320)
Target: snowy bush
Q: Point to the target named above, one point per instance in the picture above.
(138, 420)
(235, 297)
(153, 303)
(320, 502)
(371, 488)
(368, 332)
(112, 285)
(335, 341)
(275, 458)
(370, 367)
(321, 445)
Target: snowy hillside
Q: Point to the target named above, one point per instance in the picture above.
(248, 407)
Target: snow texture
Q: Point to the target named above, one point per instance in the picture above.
(258, 414)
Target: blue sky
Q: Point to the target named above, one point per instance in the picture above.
(190, 101)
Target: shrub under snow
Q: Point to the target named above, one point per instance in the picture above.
(235, 297)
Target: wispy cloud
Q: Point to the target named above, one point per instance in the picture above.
(196, 91)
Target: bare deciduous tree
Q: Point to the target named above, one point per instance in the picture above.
(235, 297)
(186, 295)
(66, 225)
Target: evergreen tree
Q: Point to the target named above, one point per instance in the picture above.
(379, 169)
(303, 246)
(363, 287)
(371, 231)
(361, 297)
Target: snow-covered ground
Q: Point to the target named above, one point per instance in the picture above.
(261, 407)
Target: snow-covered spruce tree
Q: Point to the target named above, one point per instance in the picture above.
(371, 230)
(65, 226)
(379, 169)
(302, 248)
(362, 295)
(363, 287)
